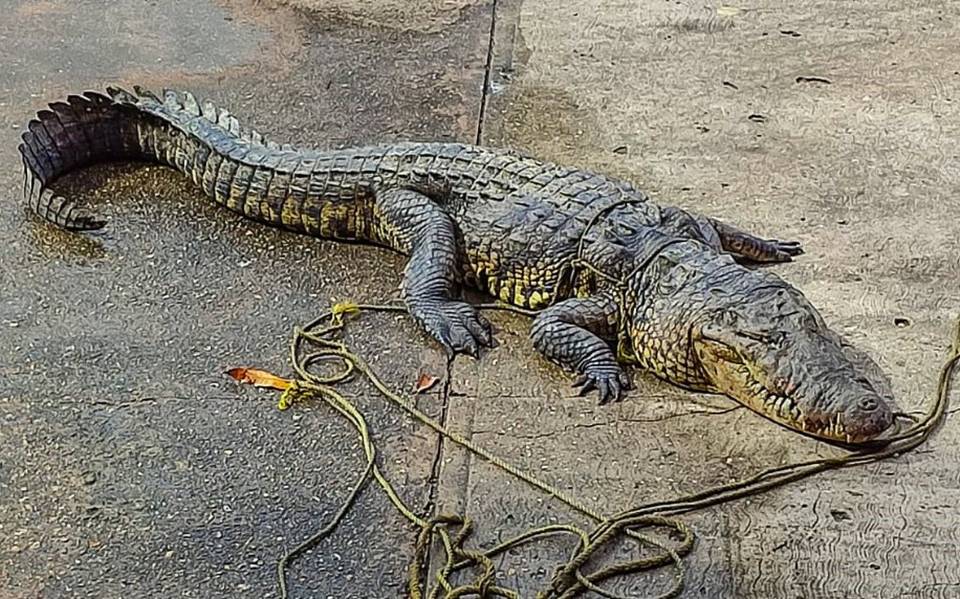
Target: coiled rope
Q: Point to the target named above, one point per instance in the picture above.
(318, 342)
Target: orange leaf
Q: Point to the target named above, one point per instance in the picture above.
(260, 378)
(425, 382)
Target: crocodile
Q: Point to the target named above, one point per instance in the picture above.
(614, 277)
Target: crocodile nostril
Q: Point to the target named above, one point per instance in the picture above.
(867, 404)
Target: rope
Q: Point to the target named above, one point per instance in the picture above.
(317, 342)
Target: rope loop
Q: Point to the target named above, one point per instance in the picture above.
(318, 343)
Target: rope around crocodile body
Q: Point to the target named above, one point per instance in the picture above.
(316, 343)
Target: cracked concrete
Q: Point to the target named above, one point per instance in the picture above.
(130, 466)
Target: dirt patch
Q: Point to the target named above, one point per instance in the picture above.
(42, 8)
(424, 16)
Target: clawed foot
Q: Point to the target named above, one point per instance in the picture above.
(457, 326)
(755, 249)
(783, 251)
(610, 381)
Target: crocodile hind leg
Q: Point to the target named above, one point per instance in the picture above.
(754, 248)
(412, 223)
(728, 238)
(577, 333)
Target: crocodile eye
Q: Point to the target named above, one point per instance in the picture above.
(771, 338)
(867, 404)
(727, 317)
(673, 276)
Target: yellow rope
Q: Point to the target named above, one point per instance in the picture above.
(570, 580)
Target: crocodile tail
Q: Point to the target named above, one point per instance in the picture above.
(68, 135)
(120, 125)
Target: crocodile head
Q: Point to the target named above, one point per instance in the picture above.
(805, 377)
(748, 334)
(774, 353)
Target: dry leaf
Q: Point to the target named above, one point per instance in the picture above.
(259, 378)
(425, 382)
(728, 11)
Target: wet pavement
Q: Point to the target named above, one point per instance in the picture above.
(131, 466)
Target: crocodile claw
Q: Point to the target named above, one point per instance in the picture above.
(610, 382)
(785, 250)
(457, 326)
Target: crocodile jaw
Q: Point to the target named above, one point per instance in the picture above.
(841, 403)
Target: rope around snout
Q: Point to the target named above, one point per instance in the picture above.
(318, 342)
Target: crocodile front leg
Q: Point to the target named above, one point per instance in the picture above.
(412, 223)
(577, 333)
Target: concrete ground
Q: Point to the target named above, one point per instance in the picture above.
(130, 466)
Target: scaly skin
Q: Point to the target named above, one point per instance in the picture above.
(670, 296)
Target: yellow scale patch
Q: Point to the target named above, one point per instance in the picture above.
(506, 290)
(519, 292)
(537, 299)
(266, 209)
(331, 214)
(312, 224)
(290, 213)
(235, 193)
(518, 288)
